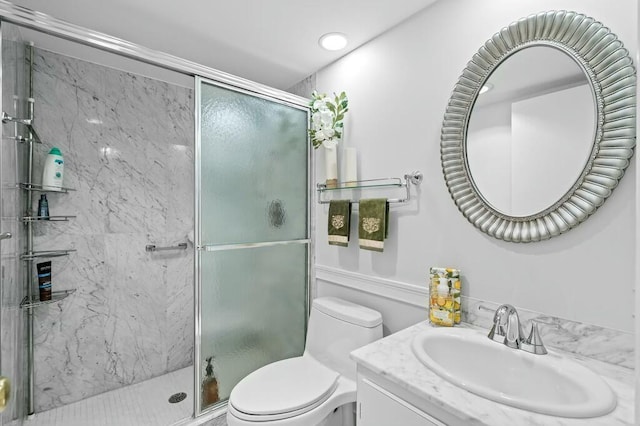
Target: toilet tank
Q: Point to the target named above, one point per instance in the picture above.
(336, 328)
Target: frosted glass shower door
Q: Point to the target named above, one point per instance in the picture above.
(253, 257)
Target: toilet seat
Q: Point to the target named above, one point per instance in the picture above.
(283, 389)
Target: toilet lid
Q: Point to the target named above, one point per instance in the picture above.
(283, 387)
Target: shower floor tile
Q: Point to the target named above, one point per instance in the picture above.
(142, 404)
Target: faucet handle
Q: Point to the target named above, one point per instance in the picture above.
(533, 343)
(496, 333)
(498, 330)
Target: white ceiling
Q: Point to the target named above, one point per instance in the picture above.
(274, 42)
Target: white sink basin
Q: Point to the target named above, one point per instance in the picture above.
(547, 384)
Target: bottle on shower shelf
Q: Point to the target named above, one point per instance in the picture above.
(53, 173)
(43, 208)
(44, 280)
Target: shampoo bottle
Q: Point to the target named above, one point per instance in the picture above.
(53, 173)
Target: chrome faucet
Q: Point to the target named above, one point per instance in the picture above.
(507, 329)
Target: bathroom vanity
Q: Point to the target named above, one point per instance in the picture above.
(395, 388)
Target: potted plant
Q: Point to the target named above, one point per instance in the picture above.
(327, 127)
(209, 385)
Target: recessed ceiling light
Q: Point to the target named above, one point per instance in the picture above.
(486, 88)
(333, 41)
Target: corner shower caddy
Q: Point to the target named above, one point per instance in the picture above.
(31, 300)
(414, 178)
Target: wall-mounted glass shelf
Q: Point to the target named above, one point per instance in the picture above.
(39, 188)
(360, 184)
(414, 178)
(56, 296)
(46, 254)
(47, 218)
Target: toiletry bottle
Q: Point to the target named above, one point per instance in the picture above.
(53, 172)
(43, 208)
(44, 280)
(444, 296)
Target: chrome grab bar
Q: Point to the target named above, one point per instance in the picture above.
(153, 247)
(5, 235)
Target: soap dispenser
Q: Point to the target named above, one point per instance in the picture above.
(444, 296)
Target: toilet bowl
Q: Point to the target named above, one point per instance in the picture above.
(308, 390)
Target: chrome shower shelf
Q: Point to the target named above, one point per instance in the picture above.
(47, 218)
(56, 296)
(39, 188)
(21, 139)
(414, 178)
(45, 254)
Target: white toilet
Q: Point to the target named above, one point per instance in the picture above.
(309, 390)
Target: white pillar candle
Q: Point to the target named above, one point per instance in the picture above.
(331, 167)
(350, 166)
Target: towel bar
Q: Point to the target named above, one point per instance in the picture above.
(153, 247)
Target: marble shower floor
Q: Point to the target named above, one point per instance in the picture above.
(142, 404)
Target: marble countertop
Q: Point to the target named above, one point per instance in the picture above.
(393, 359)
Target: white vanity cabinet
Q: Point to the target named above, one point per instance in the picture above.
(378, 406)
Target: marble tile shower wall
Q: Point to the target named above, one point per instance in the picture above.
(128, 144)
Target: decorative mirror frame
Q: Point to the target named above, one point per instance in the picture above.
(612, 77)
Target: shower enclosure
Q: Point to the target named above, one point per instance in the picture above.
(185, 243)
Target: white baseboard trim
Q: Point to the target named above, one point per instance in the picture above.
(396, 290)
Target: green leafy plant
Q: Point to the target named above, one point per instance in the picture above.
(327, 117)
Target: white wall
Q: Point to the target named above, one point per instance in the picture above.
(398, 86)
(561, 123)
(489, 153)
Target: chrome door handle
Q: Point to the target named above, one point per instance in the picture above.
(5, 235)
(5, 392)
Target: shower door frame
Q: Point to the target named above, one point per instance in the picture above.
(309, 241)
(24, 17)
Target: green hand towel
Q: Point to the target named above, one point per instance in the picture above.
(339, 222)
(374, 223)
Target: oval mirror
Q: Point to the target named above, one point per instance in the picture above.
(540, 126)
(531, 131)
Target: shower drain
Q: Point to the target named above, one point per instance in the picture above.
(177, 397)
